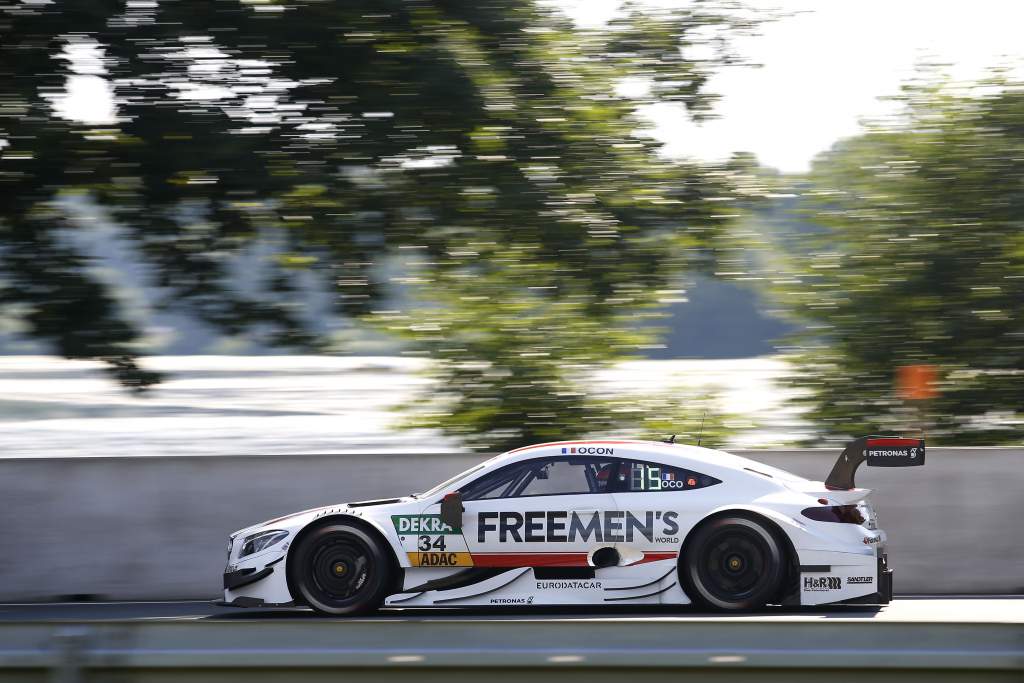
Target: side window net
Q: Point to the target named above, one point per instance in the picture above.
(543, 477)
(556, 477)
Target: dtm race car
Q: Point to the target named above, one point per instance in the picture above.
(585, 523)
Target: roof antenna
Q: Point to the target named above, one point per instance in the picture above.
(671, 439)
(700, 434)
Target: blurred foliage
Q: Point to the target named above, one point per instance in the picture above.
(486, 142)
(512, 363)
(919, 259)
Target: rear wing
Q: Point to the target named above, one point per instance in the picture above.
(879, 451)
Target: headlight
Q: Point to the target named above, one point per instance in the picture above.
(261, 541)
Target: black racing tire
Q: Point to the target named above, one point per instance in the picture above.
(341, 569)
(733, 562)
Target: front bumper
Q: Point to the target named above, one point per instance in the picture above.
(260, 583)
(243, 577)
(243, 601)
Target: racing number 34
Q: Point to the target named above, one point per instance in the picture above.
(424, 543)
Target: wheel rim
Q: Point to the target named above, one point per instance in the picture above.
(735, 564)
(340, 568)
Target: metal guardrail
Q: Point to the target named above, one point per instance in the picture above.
(594, 649)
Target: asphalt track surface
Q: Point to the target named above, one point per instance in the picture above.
(915, 638)
(916, 609)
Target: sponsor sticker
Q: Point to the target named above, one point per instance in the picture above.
(569, 584)
(512, 601)
(554, 526)
(859, 579)
(588, 450)
(421, 524)
(435, 559)
(895, 452)
(429, 542)
(823, 583)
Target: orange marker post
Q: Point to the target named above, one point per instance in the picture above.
(916, 382)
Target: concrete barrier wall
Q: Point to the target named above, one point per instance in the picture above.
(156, 527)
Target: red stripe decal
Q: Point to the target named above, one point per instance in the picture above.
(530, 559)
(893, 442)
(567, 443)
(656, 557)
(551, 559)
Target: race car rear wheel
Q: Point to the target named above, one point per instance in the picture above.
(341, 569)
(732, 563)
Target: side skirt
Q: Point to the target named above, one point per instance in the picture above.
(654, 583)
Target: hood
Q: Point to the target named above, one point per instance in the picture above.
(298, 519)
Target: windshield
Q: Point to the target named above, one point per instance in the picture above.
(445, 484)
(457, 478)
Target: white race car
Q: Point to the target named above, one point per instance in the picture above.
(585, 523)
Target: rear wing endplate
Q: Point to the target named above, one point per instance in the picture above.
(879, 451)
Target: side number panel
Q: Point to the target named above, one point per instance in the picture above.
(429, 542)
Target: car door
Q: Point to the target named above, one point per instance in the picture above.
(660, 504)
(544, 512)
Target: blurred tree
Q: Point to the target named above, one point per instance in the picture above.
(487, 140)
(920, 262)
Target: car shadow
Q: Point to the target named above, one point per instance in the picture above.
(562, 613)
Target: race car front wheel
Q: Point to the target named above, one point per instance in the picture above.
(732, 563)
(340, 569)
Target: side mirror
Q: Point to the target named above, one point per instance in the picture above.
(451, 510)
